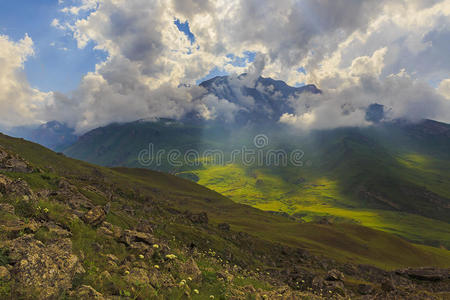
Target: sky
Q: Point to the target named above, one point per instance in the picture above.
(88, 63)
(58, 64)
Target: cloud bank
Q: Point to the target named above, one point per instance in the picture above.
(19, 102)
(357, 52)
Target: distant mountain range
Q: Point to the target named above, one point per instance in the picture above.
(53, 135)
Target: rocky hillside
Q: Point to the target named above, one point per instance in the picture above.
(71, 230)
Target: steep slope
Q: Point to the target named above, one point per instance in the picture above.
(106, 223)
(120, 144)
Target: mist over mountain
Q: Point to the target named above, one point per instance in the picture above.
(53, 135)
(234, 102)
(260, 99)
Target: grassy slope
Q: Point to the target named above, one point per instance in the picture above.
(317, 197)
(396, 164)
(342, 242)
(344, 164)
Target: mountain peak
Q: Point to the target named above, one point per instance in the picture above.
(264, 99)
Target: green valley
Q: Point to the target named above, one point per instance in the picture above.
(391, 177)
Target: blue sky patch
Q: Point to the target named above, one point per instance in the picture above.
(242, 61)
(184, 27)
(58, 64)
(301, 70)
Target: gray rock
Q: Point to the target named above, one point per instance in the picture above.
(4, 274)
(335, 275)
(95, 216)
(13, 163)
(87, 292)
(425, 274)
(43, 270)
(130, 236)
(191, 269)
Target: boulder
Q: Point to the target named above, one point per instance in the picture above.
(159, 279)
(58, 231)
(70, 194)
(4, 184)
(110, 230)
(145, 226)
(87, 292)
(95, 216)
(43, 270)
(191, 269)
(335, 275)
(131, 236)
(4, 274)
(13, 228)
(138, 276)
(105, 231)
(17, 187)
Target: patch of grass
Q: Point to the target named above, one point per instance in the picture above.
(25, 208)
(5, 289)
(4, 258)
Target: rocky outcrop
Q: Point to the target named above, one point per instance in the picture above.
(13, 163)
(68, 193)
(87, 292)
(95, 216)
(335, 275)
(57, 231)
(426, 274)
(16, 187)
(332, 283)
(138, 276)
(44, 270)
(110, 230)
(4, 274)
(191, 269)
(132, 237)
